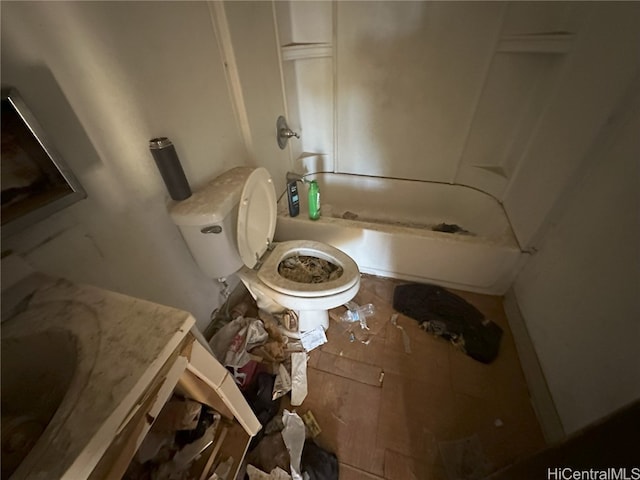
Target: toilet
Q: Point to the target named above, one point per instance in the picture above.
(228, 226)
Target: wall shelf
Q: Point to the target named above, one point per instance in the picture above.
(301, 51)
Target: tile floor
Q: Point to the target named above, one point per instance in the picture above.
(428, 405)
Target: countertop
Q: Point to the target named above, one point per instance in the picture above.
(122, 343)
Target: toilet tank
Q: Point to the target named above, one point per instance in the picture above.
(208, 223)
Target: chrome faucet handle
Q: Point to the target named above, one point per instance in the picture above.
(288, 133)
(295, 177)
(284, 133)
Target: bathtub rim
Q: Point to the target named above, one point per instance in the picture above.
(512, 242)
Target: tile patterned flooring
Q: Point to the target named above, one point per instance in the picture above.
(431, 398)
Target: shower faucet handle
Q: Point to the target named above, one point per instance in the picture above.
(287, 132)
(284, 133)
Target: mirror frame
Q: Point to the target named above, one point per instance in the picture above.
(47, 185)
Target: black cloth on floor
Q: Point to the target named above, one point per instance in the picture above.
(259, 397)
(451, 317)
(318, 463)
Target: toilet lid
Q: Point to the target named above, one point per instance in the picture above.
(256, 216)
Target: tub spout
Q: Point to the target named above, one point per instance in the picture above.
(295, 177)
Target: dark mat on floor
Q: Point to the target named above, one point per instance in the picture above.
(449, 316)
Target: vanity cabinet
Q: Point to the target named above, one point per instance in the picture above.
(190, 372)
(126, 357)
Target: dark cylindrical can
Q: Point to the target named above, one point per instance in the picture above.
(167, 161)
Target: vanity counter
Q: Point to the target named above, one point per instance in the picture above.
(131, 354)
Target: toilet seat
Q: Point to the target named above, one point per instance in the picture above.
(257, 214)
(268, 273)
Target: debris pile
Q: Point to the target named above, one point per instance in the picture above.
(306, 269)
(180, 434)
(266, 365)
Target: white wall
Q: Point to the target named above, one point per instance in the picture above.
(254, 43)
(603, 61)
(103, 78)
(408, 76)
(504, 97)
(580, 294)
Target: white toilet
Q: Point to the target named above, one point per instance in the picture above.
(229, 226)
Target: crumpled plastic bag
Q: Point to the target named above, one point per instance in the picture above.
(282, 384)
(232, 343)
(293, 435)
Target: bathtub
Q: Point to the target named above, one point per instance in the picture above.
(386, 225)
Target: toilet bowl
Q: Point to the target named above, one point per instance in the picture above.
(311, 301)
(246, 197)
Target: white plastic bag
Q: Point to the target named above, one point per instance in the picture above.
(293, 436)
(282, 384)
(232, 343)
(298, 378)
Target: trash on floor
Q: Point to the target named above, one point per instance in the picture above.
(282, 384)
(449, 316)
(313, 338)
(273, 350)
(270, 453)
(232, 343)
(405, 336)
(319, 464)
(248, 346)
(356, 322)
(261, 401)
(223, 470)
(178, 414)
(358, 313)
(312, 425)
(177, 438)
(275, 474)
(298, 378)
(293, 436)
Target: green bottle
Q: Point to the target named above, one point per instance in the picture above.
(314, 200)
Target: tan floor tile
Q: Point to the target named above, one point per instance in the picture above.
(503, 377)
(413, 416)
(401, 467)
(351, 369)
(347, 413)
(338, 343)
(347, 472)
(428, 360)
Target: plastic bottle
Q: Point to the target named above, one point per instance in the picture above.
(358, 313)
(314, 200)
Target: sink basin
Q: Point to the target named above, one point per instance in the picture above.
(47, 354)
(74, 361)
(36, 374)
